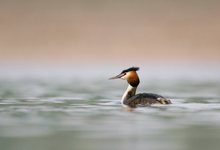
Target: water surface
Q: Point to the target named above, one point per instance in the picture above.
(74, 113)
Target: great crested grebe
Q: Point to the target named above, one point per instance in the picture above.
(143, 99)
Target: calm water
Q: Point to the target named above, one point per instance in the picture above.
(74, 113)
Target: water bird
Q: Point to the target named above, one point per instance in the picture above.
(130, 98)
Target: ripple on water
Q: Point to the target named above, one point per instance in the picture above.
(51, 110)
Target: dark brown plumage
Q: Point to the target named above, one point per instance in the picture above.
(146, 99)
(130, 69)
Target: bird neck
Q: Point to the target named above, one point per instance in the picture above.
(130, 91)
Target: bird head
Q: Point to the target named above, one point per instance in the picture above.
(130, 75)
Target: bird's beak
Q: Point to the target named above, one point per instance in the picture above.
(117, 77)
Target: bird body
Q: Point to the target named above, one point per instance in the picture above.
(130, 98)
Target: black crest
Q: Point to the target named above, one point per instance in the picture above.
(130, 69)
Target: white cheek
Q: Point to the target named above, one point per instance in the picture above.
(125, 77)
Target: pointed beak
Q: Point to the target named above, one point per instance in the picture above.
(117, 77)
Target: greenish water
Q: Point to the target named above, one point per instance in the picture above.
(74, 113)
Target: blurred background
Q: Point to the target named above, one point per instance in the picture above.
(118, 33)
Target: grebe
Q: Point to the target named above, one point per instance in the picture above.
(129, 99)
